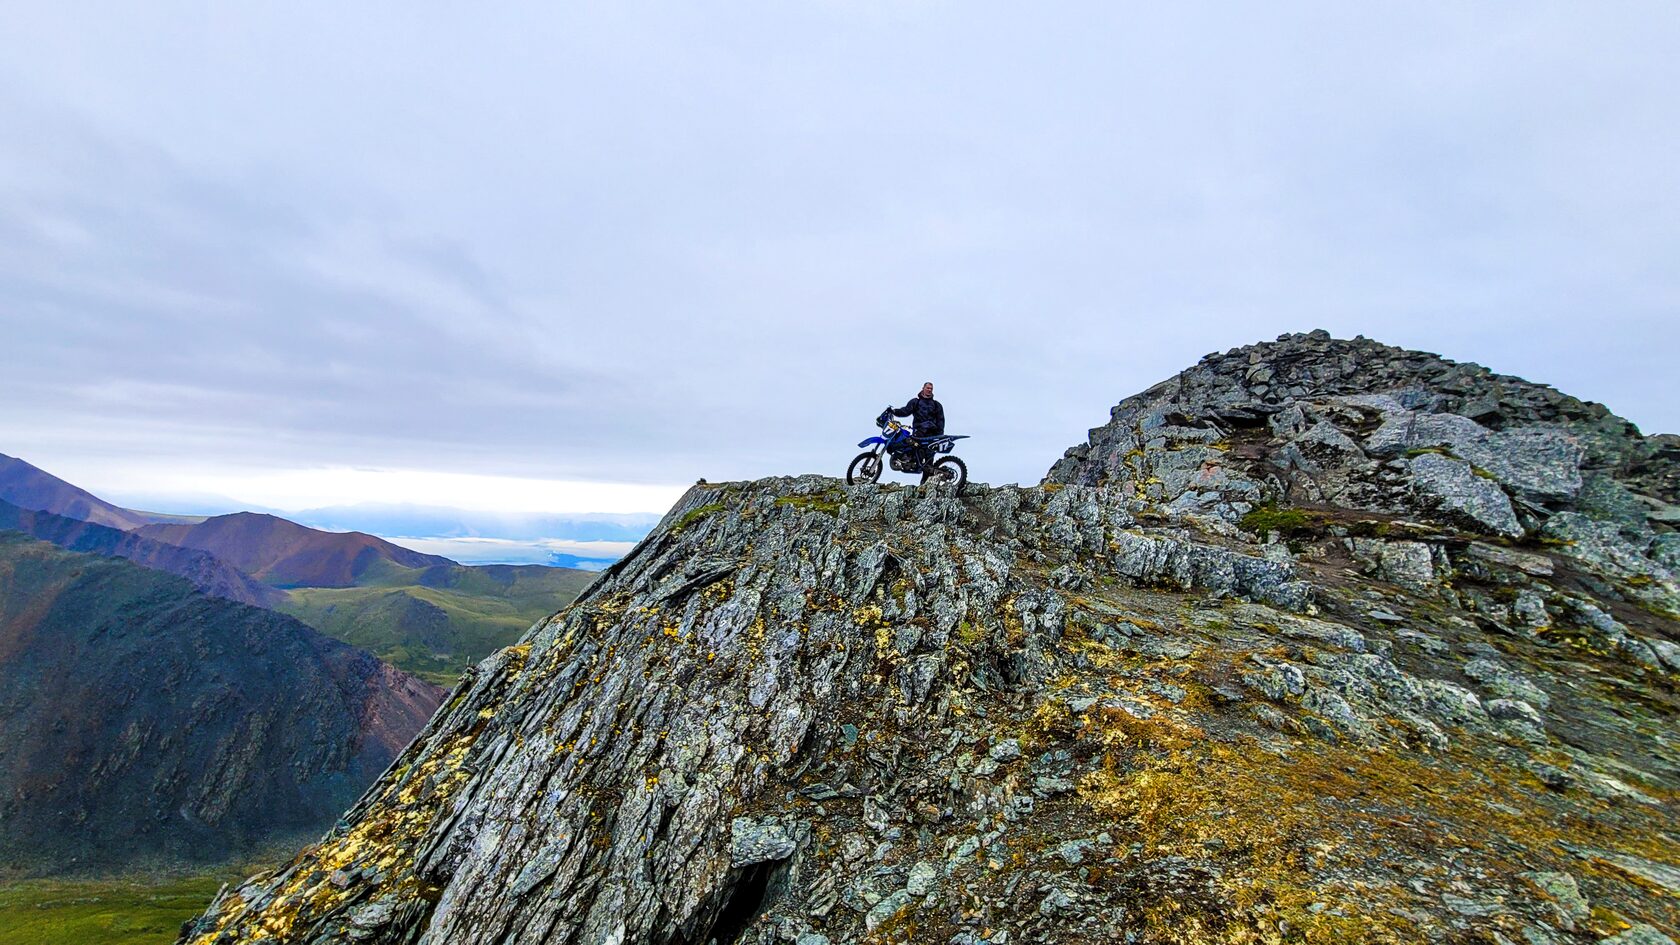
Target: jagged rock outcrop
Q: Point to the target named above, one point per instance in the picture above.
(142, 722)
(1335, 427)
(810, 713)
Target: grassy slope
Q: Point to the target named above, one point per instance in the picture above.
(107, 912)
(435, 623)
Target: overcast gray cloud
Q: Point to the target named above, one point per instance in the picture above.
(644, 242)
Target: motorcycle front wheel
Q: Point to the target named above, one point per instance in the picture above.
(865, 467)
(950, 469)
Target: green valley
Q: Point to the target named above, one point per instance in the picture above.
(123, 911)
(435, 622)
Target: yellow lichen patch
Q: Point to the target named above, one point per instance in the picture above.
(1316, 839)
(752, 644)
(1050, 722)
(1014, 629)
(1119, 728)
(718, 591)
(869, 617)
(1062, 683)
(1101, 655)
(382, 838)
(871, 620)
(1198, 797)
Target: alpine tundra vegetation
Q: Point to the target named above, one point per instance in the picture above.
(1318, 641)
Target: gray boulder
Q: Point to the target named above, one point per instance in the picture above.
(752, 841)
(1451, 488)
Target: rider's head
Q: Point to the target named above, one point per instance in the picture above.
(927, 389)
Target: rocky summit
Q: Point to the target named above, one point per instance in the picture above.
(1320, 641)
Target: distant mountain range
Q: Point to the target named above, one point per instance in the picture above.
(423, 612)
(205, 571)
(430, 521)
(409, 520)
(286, 554)
(181, 688)
(27, 487)
(553, 552)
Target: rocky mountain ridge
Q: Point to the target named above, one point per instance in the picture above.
(147, 723)
(208, 573)
(1222, 678)
(30, 487)
(424, 613)
(286, 554)
(1309, 420)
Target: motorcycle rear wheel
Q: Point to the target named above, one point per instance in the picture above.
(950, 469)
(864, 467)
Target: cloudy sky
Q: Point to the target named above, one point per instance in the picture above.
(302, 254)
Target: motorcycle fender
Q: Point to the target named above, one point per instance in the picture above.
(871, 441)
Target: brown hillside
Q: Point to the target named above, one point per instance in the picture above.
(209, 574)
(286, 554)
(28, 487)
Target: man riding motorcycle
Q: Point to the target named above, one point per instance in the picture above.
(929, 421)
(929, 414)
(922, 446)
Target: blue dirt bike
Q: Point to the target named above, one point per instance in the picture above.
(928, 455)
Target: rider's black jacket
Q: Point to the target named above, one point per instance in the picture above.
(930, 416)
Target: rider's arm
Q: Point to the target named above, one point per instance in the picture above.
(905, 410)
